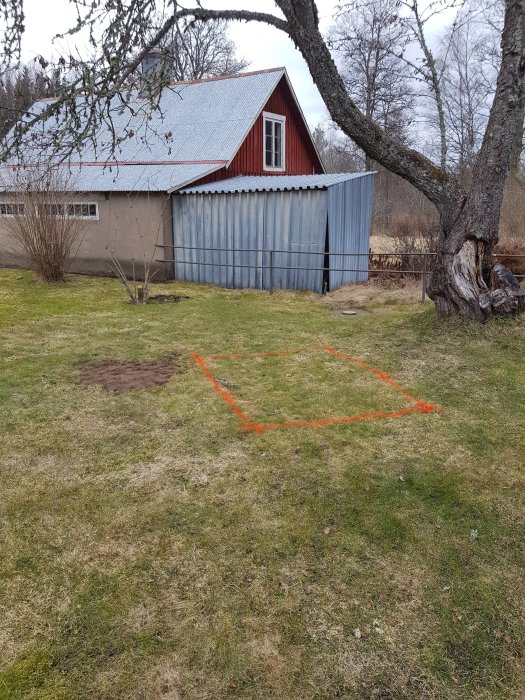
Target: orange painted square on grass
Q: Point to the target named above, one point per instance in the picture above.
(246, 423)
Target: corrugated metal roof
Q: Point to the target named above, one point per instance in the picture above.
(194, 122)
(272, 183)
(117, 178)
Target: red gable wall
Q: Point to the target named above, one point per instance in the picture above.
(301, 158)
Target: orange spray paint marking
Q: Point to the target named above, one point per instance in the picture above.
(323, 422)
(418, 406)
(382, 375)
(223, 393)
(259, 354)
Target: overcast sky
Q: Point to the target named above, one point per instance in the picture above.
(263, 46)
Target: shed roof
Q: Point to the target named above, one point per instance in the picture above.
(273, 183)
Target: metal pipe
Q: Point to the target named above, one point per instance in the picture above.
(287, 267)
(312, 269)
(314, 252)
(424, 279)
(298, 252)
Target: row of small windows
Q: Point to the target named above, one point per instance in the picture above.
(71, 210)
(10, 209)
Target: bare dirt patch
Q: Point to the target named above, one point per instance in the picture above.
(123, 375)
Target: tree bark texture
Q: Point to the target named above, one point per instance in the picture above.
(461, 282)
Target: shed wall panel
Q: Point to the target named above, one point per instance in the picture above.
(249, 225)
(349, 217)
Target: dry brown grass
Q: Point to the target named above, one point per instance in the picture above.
(376, 294)
(512, 222)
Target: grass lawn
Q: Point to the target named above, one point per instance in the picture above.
(149, 548)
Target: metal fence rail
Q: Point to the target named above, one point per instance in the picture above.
(271, 266)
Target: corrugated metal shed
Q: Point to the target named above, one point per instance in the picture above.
(223, 232)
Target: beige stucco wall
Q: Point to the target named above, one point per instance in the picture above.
(130, 225)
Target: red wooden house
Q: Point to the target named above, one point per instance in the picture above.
(192, 134)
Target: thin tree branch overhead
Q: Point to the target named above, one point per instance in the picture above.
(302, 25)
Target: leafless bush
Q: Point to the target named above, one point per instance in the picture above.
(398, 207)
(46, 229)
(412, 238)
(136, 294)
(142, 270)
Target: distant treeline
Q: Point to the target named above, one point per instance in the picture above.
(20, 88)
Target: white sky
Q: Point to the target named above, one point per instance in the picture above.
(263, 46)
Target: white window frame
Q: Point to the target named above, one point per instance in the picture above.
(281, 118)
(95, 217)
(10, 204)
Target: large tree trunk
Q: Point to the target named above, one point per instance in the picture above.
(462, 281)
(515, 161)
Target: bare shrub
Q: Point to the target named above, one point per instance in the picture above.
(412, 237)
(399, 207)
(137, 294)
(142, 270)
(45, 227)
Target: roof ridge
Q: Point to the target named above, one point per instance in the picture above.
(247, 74)
(196, 81)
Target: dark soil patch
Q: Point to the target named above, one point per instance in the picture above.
(165, 299)
(121, 375)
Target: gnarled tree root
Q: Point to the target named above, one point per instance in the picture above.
(506, 298)
(458, 287)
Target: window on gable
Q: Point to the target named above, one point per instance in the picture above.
(274, 141)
